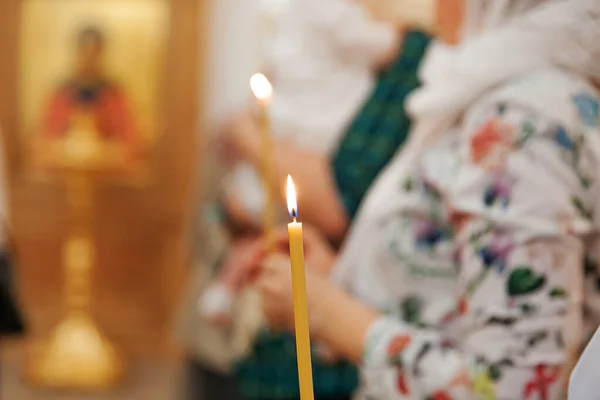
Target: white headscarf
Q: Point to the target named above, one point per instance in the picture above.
(502, 39)
(505, 38)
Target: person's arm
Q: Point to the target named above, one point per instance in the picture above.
(521, 201)
(399, 361)
(319, 200)
(317, 193)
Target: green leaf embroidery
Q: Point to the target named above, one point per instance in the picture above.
(504, 321)
(557, 293)
(474, 284)
(586, 181)
(580, 207)
(523, 280)
(528, 309)
(475, 237)
(501, 109)
(411, 308)
(528, 129)
(536, 338)
(494, 372)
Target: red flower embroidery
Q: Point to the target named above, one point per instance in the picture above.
(459, 219)
(541, 382)
(462, 379)
(484, 141)
(491, 145)
(440, 396)
(402, 384)
(398, 344)
(463, 306)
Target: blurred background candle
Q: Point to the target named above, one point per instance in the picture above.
(263, 91)
(299, 289)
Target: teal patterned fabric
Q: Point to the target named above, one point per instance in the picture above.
(380, 128)
(270, 372)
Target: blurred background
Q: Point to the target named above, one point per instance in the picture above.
(169, 68)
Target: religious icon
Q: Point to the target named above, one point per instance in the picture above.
(95, 67)
(90, 92)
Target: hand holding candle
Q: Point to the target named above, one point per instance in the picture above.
(300, 302)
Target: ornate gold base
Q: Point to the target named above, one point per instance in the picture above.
(76, 357)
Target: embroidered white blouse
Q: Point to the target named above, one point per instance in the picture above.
(480, 266)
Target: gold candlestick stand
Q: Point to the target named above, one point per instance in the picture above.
(77, 355)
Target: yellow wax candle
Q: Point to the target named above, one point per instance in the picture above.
(263, 91)
(299, 290)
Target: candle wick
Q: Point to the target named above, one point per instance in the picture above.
(294, 219)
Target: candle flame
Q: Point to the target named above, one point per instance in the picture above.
(261, 87)
(291, 198)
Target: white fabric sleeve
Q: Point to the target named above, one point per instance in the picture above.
(522, 201)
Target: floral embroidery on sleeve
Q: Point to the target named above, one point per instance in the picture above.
(544, 377)
(514, 286)
(492, 144)
(588, 108)
(395, 352)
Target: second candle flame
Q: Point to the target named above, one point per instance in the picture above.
(261, 87)
(292, 203)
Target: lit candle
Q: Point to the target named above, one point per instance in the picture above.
(299, 290)
(263, 91)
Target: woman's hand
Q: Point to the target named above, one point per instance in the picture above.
(240, 265)
(318, 253)
(334, 317)
(275, 285)
(247, 256)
